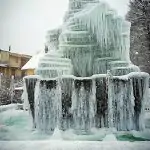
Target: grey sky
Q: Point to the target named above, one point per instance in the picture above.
(23, 23)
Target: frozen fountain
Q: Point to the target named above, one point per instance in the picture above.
(86, 79)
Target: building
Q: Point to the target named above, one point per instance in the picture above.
(11, 63)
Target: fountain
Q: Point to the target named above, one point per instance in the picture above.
(86, 79)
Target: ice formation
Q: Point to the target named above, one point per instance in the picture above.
(92, 40)
(86, 79)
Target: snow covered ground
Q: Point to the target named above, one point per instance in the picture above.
(74, 145)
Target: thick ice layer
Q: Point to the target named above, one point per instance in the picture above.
(53, 65)
(48, 112)
(147, 105)
(110, 137)
(147, 120)
(93, 33)
(93, 45)
(98, 101)
(121, 105)
(132, 90)
(76, 6)
(84, 105)
(52, 39)
(18, 121)
(7, 107)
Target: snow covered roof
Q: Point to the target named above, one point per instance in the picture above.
(3, 65)
(33, 62)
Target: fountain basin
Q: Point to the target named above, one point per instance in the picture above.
(84, 103)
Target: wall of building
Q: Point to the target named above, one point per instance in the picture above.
(29, 72)
(4, 57)
(14, 61)
(11, 63)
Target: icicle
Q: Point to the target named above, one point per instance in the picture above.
(110, 100)
(24, 97)
(92, 105)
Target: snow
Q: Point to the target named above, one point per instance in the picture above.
(110, 137)
(3, 65)
(18, 88)
(16, 125)
(18, 121)
(33, 62)
(7, 107)
(76, 145)
(61, 67)
(133, 75)
(84, 78)
(69, 76)
(32, 77)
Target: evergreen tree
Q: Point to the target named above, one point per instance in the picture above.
(139, 16)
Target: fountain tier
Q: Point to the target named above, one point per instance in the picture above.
(86, 103)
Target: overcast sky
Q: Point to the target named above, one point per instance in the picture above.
(23, 23)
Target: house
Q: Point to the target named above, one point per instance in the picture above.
(11, 63)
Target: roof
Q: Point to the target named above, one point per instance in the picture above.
(16, 54)
(33, 62)
(26, 56)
